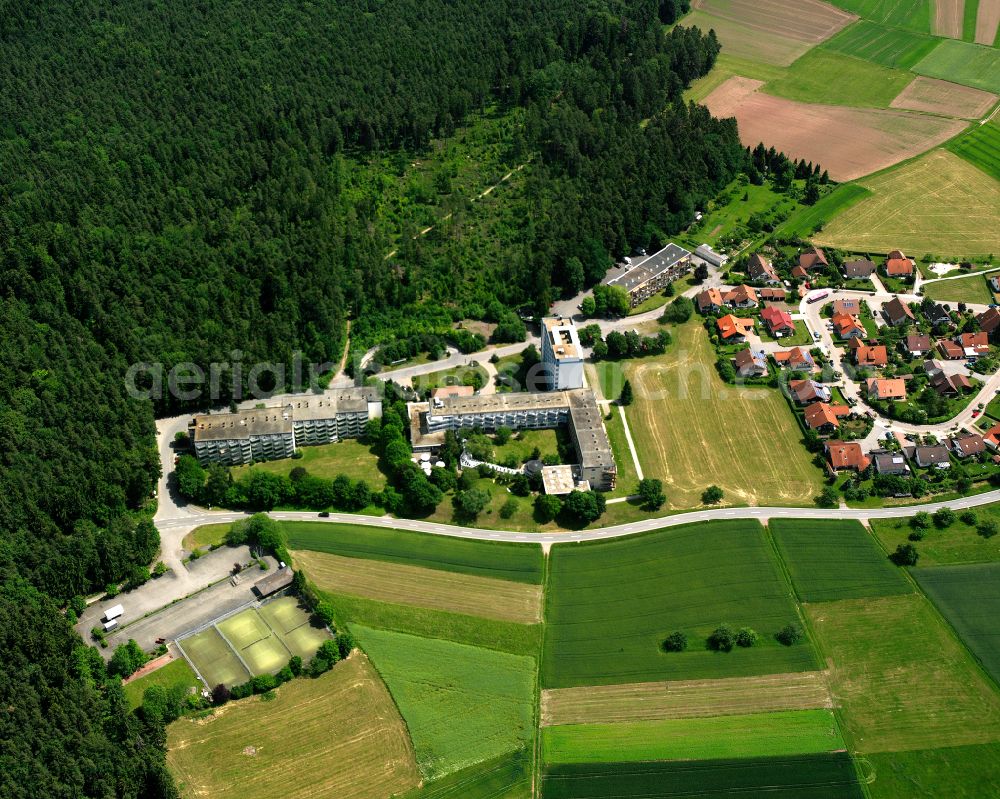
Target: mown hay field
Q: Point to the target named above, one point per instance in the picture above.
(504, 600)
(901, 679)
(808, 219)
(767, 47)
(974, 65)
(827, 776)
(941, 97)
(790, 732)
(971, 289)
(676, 699)
(936, 204)
(849, 142)
(518, 562)
(832, 559)
(687, 426)
(462, 704)
(988, 22)
(349, 741)
(506, 777)
(890, 47)
(969, 598)
(609, 606)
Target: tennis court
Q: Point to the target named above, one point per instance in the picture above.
(291, 621)
(214, 659)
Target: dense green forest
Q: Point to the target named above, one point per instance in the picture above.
(173, 188)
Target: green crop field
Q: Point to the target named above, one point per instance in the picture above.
(981, 148)
(348, 457)
(959, 543)
(901, 678)
(890, 47)
(828, 776)
(859, 83)
(951, 772)
(833, 559)
(727, 66)
(969, 598)
(462, 704)
(963, 62)
(518, 562)
(507, 777)
(793, 732)
(912, 14)
(807, 219)
(175, 673)
(611, 604)
(214, 658)
(972, 289)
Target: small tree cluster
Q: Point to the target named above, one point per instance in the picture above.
(675, 642)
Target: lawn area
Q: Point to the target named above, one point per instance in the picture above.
(799, 337)
(835, 559)
(730, 211)
(890, 47)
(950, 211)
(518, 562)
(981, 148)
(349, 741)
(507, 777)
(971, 289)
(808, 219)
(902, 680)
(175, 673)
(911, 14)
(350, 456)
(504, 600)
(522, 444)
(794, 732)
(609, 606)
(859, 83)
(687, 424)
(969, 598)
(828, 776)
(628, 479)
(462, 704)
(207, 535)
(953, 545)
(963, 62)
(474, 375)
(951, 772)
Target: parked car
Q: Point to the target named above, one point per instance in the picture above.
(816, 336)
(324, 514)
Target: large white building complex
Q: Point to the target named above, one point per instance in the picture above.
(262, 434)
(562, 355)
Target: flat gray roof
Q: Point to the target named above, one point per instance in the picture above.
(243, 424)
(646, 269)
(346, 400)
(498, 403)
(588, 428)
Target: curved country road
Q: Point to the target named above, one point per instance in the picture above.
(193, 519)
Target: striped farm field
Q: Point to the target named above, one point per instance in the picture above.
(901, 679)
(969, 598)
(504, 600)
(506, 777)
(827, 776)
(910, 14)
(890, 47)
(686, 424)
(462, 704)
(737, 40)
(941, 97)
(349, 741)
(938, 203)
(832, 559)
(647, 701)
(949, 18)
(503, 561)
(981, 148)
(792, 732)
(962, 62)
(609, 606)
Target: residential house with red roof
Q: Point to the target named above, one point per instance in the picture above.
(877, 356)
(813, 259)
(796, 359)
(769, 294)
(709, 300)
(917, 344)
(824, 418)
(847, 326)
(808, 391)
(741, 297)
(884, 388)
(846, 455)
(734, 328)
(950, 350)
(974, 345)
(901, 267)
(850, 307)
(778, 322)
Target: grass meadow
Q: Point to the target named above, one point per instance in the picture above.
(890, 47)
(687, 426)
(835, 559)
(981, 148)
(793, 732)
(971, 289)
(963, 62)
(951, 772)
(506, 777)
(969, 598)
(349, 741)
(859, 83)
(826, 776)
(351, 457)
(910, 14)
(206, 535)
(902, 680)
(503, 561)
(176, 672)
(609, 605)
(462, 704)
(809, 218)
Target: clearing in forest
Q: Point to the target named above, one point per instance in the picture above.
(849, 142)
(687, 424)
(429, 588)
(348, 742)
(941, 97)
(937, 204)
(647, 701)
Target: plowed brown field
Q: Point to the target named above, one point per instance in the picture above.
(948, 18)
(941, 97)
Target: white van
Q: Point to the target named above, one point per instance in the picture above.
(113, 613)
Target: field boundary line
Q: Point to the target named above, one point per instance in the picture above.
(229, 643)
(631, 444)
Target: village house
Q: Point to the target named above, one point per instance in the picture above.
(846, 455)
(847, 326)
(898, 265)
(949, 384)
(917, 344)
(761, 270)
(967, 445)
(949, 350)
(709, 300)
(882, 388)
(799, 273)
(889, 462)
(778, 322)
(974, 345)
(877, 356)
(859, 270)
(897, 312)
(991, 438)
(936, 456)
(824, 418)
(813, 259)
(768, 294)
(937, 315)
(733, 328)
(850, 307)
(809, 391)
(989, 323)
(750, 363)
(741, 297)
(796, 359)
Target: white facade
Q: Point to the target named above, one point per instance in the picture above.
(562, 354)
